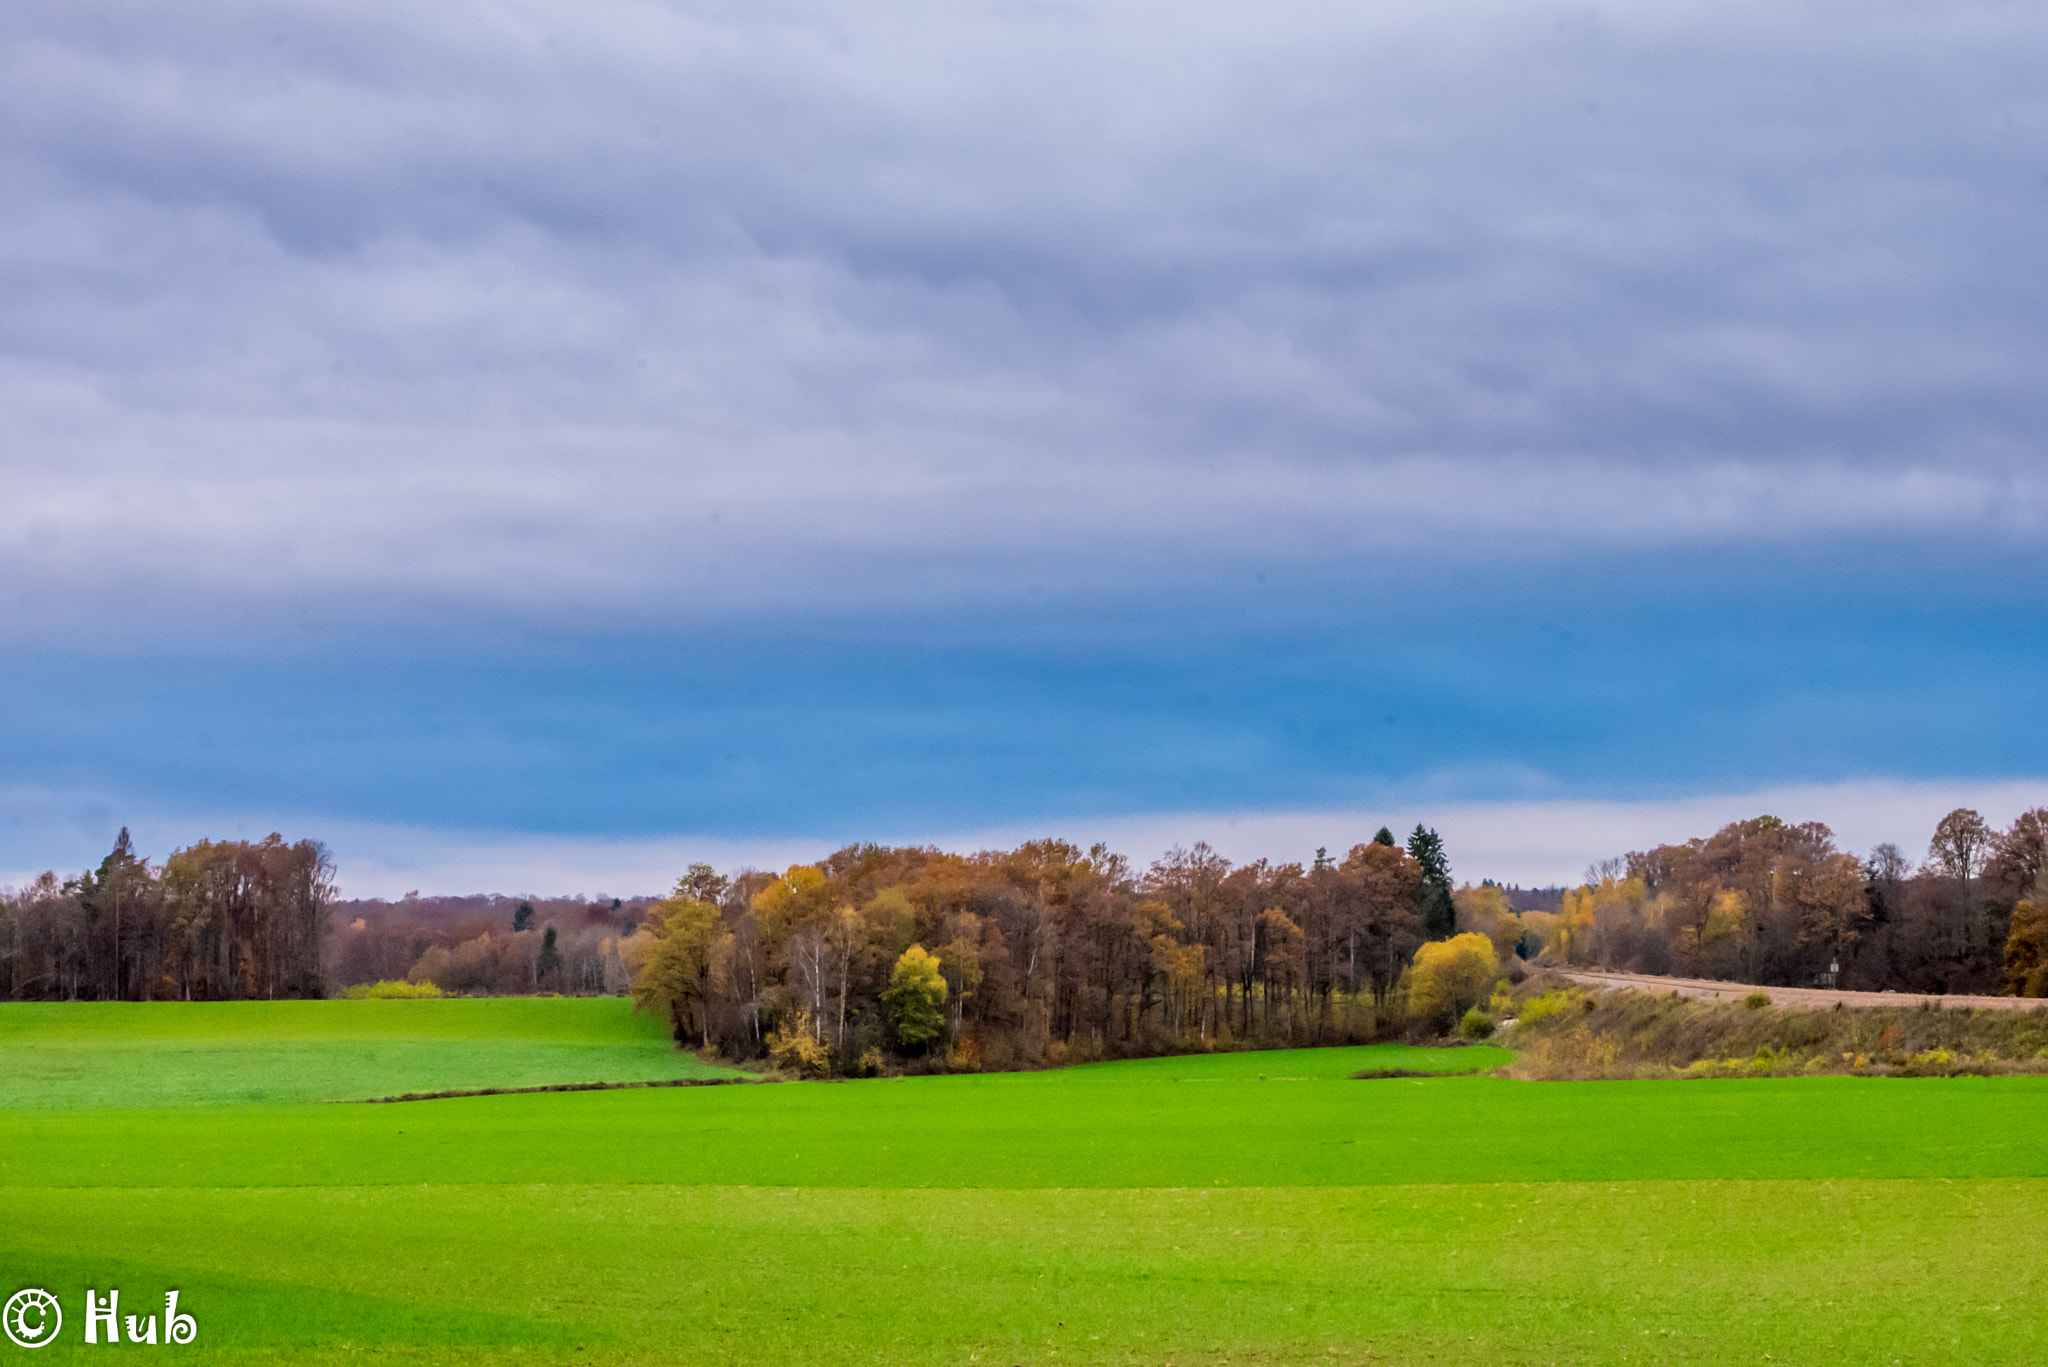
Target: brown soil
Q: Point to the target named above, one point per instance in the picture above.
(1821, 997)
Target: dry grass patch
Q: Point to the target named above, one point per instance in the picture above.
(1567, 1032)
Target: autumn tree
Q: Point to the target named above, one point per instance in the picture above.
(794, 1046)
(2026, 948)
(1833, 902)
(1449, 977)
(796, 914)
(1383, 884)
(2018, 858)
(122, 898)
(2026, 945)
(702, 882)
(247, 919)
(676, 973)
(916, 998)
(1485, 910)
(846, 937)
(2019, 855)
(1283, 960)
(1961, 841)
(1884, 876)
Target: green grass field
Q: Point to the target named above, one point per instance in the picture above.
(65, 1055)
(1244, 1208)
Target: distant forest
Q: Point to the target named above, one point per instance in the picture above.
(486, 945)
(221, 920)
(1049, 952)
(1763, 901)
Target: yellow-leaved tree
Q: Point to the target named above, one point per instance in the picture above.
(795, 1046)
(1485, 909)
(1449, 977)
(675, 975)
(2026, 948)
(916, 998)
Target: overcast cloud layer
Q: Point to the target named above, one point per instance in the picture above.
(617, 421)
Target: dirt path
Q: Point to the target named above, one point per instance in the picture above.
(1709, 990)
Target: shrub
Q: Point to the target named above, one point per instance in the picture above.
(1931, 1061)
(1768, 1060)
(391, 991)
(1757, 1001)
(1574, 1052)
(1476, 1024)
(1536, 1010)
(431, 966)
(795, 1049)
(1764, 1063)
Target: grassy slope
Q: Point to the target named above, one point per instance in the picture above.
(1162, 1211)
(1648, 1036)
(118, 1054)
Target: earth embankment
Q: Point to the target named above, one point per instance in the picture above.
(1708, 989)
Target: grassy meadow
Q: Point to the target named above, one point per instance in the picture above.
(1258, 1207)
(67, 1055)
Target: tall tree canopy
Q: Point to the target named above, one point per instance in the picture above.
(1439, 917)
(219, 920)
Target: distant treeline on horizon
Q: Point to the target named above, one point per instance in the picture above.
(219, 920)
(1052, 944)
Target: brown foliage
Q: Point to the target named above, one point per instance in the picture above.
(1051, 953)
(1765, 901)
(218, 920)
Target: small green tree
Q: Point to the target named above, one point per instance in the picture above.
(916, 998)
(522, 917)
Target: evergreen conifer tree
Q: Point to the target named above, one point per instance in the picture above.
(1439, 915)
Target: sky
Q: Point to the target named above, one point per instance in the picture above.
(533, 446)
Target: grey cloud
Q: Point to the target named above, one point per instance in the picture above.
(502, 304)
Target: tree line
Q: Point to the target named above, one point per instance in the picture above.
(485, 945)
(1769, 902)
(219, 920)
(1048, 952)
(1043, 953)
(1039, 952)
